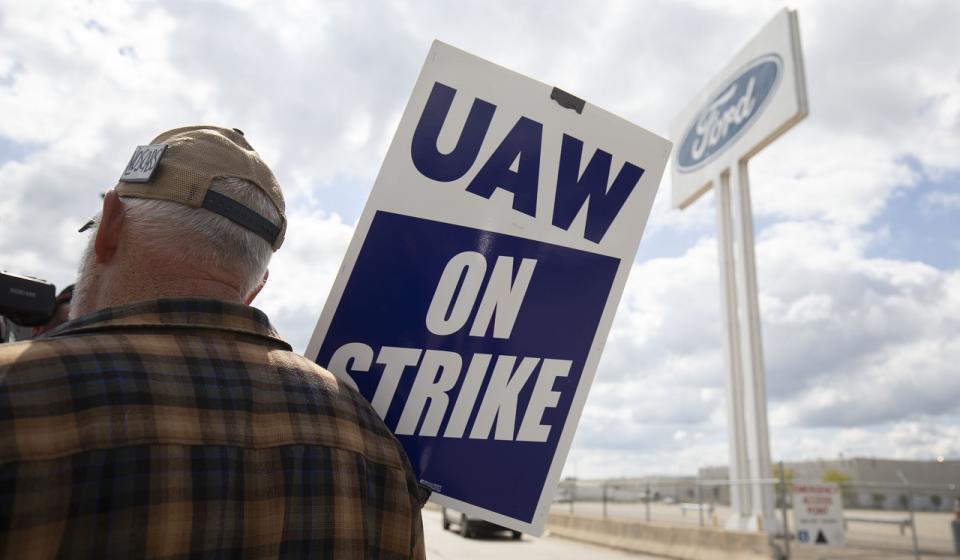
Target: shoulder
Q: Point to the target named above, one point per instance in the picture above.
(33, 355)
(358, 425)
(58, 356)
(318, 407)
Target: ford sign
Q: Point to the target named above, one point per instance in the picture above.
(729, 113)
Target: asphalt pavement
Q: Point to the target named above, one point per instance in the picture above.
(449, 545)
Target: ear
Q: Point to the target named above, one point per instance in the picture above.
(263, 281)
(111, 223)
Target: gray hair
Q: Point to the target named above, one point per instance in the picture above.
(207, 240)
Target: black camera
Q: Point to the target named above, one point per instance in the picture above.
(27, 302)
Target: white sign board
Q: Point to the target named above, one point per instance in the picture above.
(759, 95)
(818, 511)
(477, 293)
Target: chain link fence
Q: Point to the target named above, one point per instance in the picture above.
(911, 518)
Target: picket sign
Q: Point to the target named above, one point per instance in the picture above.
(476, 295)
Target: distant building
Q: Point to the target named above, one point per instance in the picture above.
(868, 483)
(672, 489)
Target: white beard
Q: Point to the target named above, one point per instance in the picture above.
(84, 298)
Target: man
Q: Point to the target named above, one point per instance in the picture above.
(166, 418)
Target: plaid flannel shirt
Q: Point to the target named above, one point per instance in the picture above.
(178, 428)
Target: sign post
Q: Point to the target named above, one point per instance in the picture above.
(477, 292)
(759, 95)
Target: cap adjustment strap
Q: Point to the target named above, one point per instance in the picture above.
(241, 215)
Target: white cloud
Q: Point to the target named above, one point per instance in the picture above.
(940, 201)
(837, 176)
(850, 341)
(921, 439)
(302, 272)
(859, 349)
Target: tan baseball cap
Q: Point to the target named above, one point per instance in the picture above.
(180, 165)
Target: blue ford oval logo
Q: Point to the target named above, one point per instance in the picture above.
(729, 113)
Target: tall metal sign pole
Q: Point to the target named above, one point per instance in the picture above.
(758, 96)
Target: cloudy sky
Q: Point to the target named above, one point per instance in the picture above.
(857, 209)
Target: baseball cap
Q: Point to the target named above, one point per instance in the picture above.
(179, 166)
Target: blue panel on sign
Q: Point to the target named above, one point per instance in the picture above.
(467, 405)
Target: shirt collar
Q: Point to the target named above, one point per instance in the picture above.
(192, 313)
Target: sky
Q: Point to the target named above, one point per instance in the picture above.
(856, 209)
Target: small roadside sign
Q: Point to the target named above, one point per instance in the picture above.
(818, 510)
(476, 295)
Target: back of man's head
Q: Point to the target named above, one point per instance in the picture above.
(205, 240)
(196, 213)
